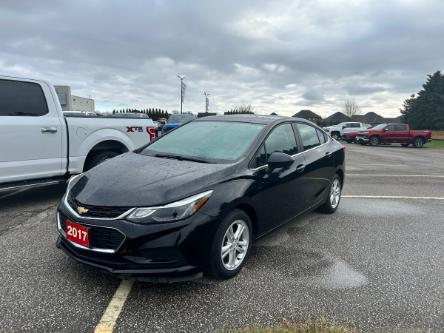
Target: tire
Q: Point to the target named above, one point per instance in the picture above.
(419, 142)
(100, 158)
(333, 199)
(374, 141)
(405, 144)
(218, 266)
(335, 135)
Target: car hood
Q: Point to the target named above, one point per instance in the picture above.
(138, 180)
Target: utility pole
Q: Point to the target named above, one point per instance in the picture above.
(207, 101)
(183, 86)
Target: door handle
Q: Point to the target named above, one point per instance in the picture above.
(300, 167)
(49, 130)
(328, 154)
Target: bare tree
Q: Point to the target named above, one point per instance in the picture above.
(245, 108)
(242, 109)
(351, 107)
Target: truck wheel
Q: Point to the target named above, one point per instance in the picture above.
(374, 140)
(335, 135)
(418, 143)
(230, 246)
(101, 157)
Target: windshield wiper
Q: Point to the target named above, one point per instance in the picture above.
(181, 158)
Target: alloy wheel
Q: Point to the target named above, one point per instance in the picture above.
(235, 245)
(335, 193)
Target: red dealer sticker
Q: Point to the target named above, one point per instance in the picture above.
(77, 233)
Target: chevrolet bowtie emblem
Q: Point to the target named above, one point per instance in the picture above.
(82, 210)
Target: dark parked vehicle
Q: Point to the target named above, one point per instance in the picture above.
(194, 200)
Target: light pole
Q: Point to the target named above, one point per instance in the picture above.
(182, 90)
(207, 101)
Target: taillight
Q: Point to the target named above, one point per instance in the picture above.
(151, 132)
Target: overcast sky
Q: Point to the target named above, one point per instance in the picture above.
(279, 56)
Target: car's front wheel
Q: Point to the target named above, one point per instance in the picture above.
(231, 245)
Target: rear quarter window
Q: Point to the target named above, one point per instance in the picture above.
(18, 98)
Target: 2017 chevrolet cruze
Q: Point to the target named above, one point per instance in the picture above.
(194, 200)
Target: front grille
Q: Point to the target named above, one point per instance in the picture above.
(97, 211)
(99, 237)
(105, 238)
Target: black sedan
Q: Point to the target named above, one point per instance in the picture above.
(194, 200)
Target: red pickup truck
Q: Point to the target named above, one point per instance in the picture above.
(393, 133)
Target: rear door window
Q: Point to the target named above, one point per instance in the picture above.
(308, 136)
(18, 98)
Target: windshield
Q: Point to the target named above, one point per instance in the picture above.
(379, 127)
(207, 140)
(180, 118)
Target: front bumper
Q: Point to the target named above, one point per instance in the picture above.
(162, 252)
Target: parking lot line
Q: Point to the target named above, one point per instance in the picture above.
(390, 197)
(115, 306)
(388, 175)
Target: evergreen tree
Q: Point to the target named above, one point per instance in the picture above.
(426, 109)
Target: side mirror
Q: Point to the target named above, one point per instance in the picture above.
(344, 127)
(279, 160)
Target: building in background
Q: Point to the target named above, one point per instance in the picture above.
(335, 118)
(309, 115)
(73, 103)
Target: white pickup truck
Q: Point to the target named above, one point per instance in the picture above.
(337, 131)
(40, 146)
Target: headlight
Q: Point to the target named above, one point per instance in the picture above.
(172, 212)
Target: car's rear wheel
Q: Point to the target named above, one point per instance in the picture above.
(418, 143)
(334, 197)
(374, 140)
(231, 245)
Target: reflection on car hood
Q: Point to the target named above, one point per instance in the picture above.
(138, 180)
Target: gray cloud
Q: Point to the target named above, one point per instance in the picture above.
(278, 56)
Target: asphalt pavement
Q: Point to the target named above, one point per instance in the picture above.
(376, 265)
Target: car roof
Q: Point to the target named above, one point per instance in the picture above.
(253, 118)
